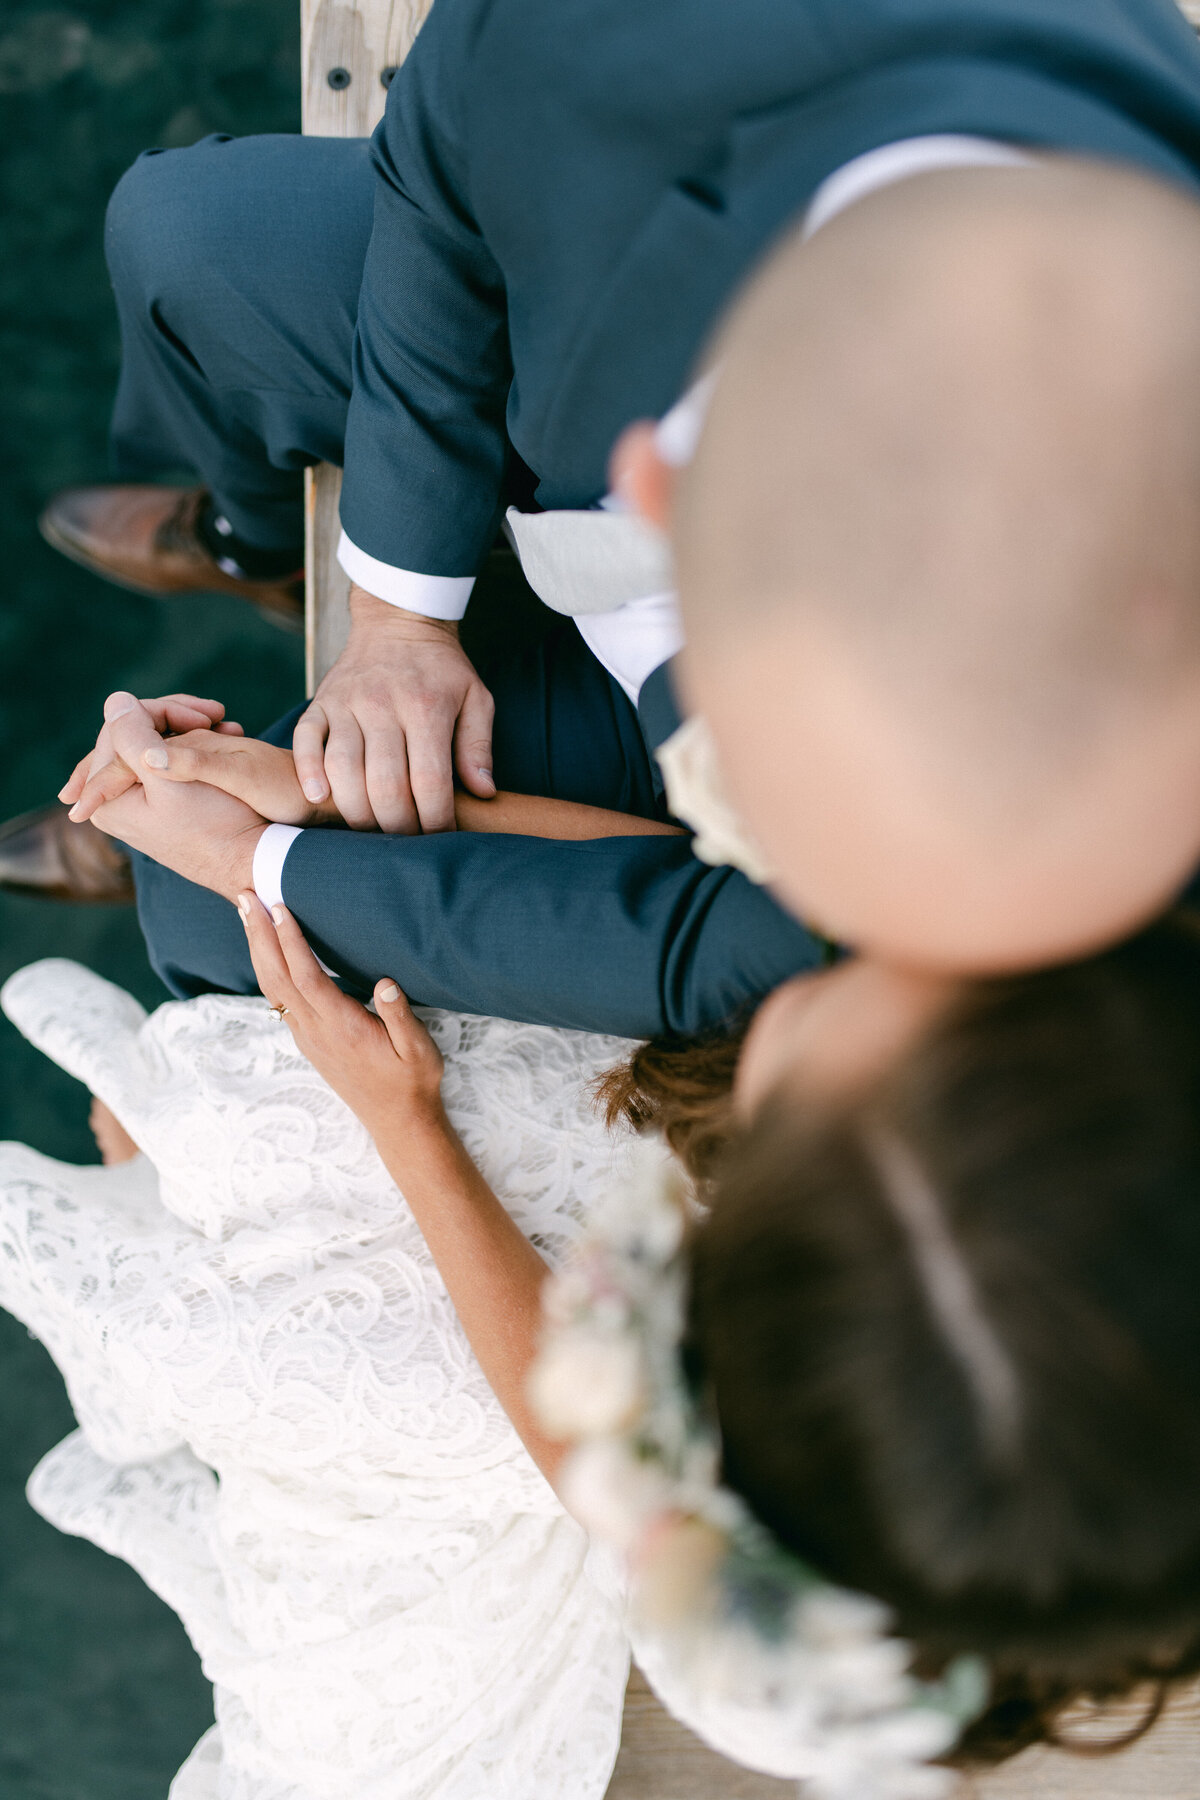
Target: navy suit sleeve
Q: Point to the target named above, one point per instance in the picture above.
(629, 935)
(426, 445)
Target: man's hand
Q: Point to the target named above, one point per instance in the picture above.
(400, 710)
(201, 833)
(204, 835)
(101, 775)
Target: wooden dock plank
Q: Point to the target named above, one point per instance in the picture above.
(660, 1759)
(1163, 1765)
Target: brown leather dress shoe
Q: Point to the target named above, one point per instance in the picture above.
(43, 853)
(145, 538)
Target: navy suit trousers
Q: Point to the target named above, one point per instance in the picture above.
(236, 266)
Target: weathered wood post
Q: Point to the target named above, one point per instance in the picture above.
(349, 51)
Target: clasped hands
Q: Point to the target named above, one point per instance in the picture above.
(197, 801)
(397, 716)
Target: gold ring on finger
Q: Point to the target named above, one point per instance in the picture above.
(280, 1011)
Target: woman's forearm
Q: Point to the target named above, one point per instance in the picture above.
(492, 1272)
(264, 776)
(530, 815)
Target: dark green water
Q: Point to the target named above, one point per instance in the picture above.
(100, 1694)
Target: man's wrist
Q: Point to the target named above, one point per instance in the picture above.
(432, 596)
(237, 877)
(367, 612)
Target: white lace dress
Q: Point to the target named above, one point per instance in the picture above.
(282, 1426)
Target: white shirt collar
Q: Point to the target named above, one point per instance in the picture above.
(679, 430)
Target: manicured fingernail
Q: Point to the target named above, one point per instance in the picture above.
(279, 913)
(62, 792)
(117, 705)
(156, 758)
(314, 789)
(74, 815)
(244, 905)
(485, 775)
(389, 991)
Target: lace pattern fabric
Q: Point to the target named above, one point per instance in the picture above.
(282, 1426)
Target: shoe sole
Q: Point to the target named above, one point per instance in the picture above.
(29, 890)
(61, 897)
(57, 540)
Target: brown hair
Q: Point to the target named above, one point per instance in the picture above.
(682, 1087)
(1052, 1123)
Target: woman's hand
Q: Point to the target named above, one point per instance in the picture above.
(102, 775)
(263, 775)
(388, 1069)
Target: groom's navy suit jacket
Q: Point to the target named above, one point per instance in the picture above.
(568, 192)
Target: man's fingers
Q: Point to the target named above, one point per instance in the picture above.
(429, 731)
(122, 819)
(473, 742)
(432, 777)
(266, 953)
(385, 766)
(345, 771)
(308, 749)
(229, 728)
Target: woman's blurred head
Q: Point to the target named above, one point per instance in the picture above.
(944, 1308)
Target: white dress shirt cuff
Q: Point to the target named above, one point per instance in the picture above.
(437, 596)
(270, 853)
